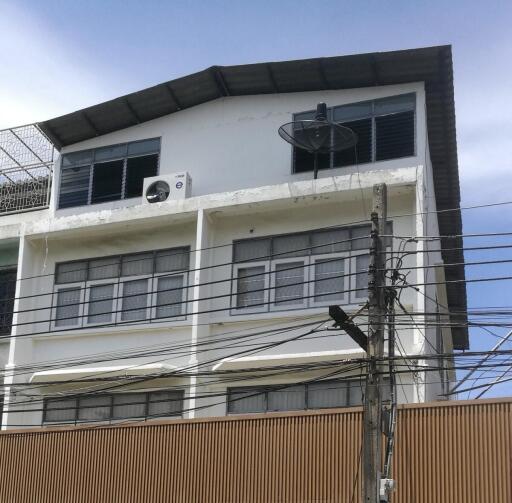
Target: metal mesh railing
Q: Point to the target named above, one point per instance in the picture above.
(26, 163)
(22, 189)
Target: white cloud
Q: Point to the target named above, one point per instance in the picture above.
(484, 108)
(40, 75)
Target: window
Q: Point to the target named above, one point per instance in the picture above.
(289, 287)
(169, 296)
(385, 129)
(116, 406)
(314, 395)
(108, 173)
(250, 286)
(68, 307)
(128, 288)
(327, 274)
(101, 303)
(7, 294)
(135, 300)
(307, 269)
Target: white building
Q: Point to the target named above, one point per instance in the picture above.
(126, 309)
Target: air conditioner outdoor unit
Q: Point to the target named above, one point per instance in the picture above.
(157, 189)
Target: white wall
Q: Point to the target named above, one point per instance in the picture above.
(232, 143)
(228, 144)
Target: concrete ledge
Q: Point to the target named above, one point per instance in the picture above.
(269, 197)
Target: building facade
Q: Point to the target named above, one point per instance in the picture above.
(215, 300)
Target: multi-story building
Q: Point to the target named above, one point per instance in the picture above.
(215, 300)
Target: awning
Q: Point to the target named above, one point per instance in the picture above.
(57, 375)
(260, 361)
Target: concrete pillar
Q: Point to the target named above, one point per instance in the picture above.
(199, 305)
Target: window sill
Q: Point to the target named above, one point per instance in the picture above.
(119, 329)
(300, 311)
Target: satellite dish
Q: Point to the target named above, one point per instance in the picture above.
(318, 136)
(158, 191)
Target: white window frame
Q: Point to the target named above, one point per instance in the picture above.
(356, 297)
(115, 295)
(118, 281)
(266, 283)
(184, 296)
(345, 255)
(120, 291)
(81, 306)
(282, 306)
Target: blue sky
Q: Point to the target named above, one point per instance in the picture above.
(59, 55)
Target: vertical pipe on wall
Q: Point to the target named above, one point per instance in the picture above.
(199, 328)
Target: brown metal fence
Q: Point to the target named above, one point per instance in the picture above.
(445, 452)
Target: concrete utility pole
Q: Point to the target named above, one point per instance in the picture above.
(372, 416)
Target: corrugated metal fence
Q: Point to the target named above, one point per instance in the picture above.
(447, 452)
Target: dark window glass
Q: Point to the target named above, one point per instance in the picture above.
(361, 237)
(290, 245)
(138, 168)
(327, 394)
(169, 296)
(245, 400)
(289, 398)
(165, 404)
(250, 286)
(94, 408)
(394, 136)
(7, 292)
(363, 151)
(114, 407)
(68, 307)
(322, 394)
(252, 249)
(304, 161)
(107, 181)
(384, 127)
(101, 299)
(289, 283)
(128, 405)
(103, 268)
(74, 186)
(144, 147)
(60, 410)
(71, 272)
(176, 259)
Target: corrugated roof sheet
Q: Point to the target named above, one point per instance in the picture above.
(431, 65)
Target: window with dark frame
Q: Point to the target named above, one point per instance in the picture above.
(7, 294)
(114, 407)
(135, 287)
(314, 395)
(108, 173)
(385, 129)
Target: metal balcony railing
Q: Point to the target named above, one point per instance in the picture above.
(26, 166)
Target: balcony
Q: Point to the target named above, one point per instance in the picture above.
(26, 166)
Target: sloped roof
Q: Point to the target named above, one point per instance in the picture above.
(431, 65)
